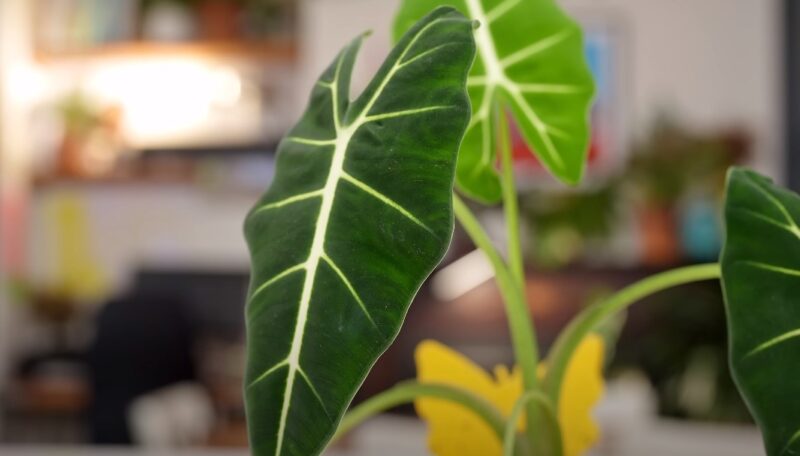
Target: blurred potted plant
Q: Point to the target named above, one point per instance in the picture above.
(215, 20)
(90, 140)
(563, 224)
(671, 162)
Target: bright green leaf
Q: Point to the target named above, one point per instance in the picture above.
(530, 56)
(359, 214)
(761, 279)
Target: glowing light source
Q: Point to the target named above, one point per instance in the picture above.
(461, 276)
(165, 98)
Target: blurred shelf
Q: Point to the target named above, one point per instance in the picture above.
(283, 51)
(182, 166)
(49, 181)
(51, 396)
(46, 182)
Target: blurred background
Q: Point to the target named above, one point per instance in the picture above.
(136, 134)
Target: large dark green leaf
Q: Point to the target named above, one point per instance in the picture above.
(761, 278)
(530, 55)
(359, 214)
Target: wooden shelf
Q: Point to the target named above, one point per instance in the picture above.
(267, 50)
(45, 182)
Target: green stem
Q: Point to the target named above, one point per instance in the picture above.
(406, 392)
(552, 420)
(510, 203)
(539, 441)
(589, 319)
(523, 337)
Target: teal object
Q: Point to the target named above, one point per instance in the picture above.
(701, 230)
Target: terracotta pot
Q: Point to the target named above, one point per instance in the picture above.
(660, 243)
(70, 162)
(219, 19)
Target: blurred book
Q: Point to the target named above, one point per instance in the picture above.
(68, 25)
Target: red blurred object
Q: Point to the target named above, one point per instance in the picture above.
(219, 19)
(12, 231)
(525, 158)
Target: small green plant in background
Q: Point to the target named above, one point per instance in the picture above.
(362, 209)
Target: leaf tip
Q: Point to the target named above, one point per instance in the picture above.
(571, 178)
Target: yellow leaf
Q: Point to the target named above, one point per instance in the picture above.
(452, 429)
(580, 392)
(455, 431)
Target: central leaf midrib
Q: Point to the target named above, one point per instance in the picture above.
(496, 77)
(494, 72)
(316, 253)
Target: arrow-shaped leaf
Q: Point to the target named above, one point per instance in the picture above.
(761, 278)
(530, 55)
(359, 214)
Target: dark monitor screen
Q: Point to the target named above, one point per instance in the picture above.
(215, 300)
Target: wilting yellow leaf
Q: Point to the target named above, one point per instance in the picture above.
(452, 429)
(582, 389)
(455, 431)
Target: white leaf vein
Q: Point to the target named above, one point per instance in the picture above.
(289, 201)
(424, 54)
(404, 113)
(269, 372)
(314, 391)
(278, 277)
(535, 48)
(759, 216)
(385, 200)
(778, 204)
(349, 287)
(501, 10)
(774, 341)
(310, 141)
(792, 440)
(772, 268)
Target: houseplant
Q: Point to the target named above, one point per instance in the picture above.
(361, 210)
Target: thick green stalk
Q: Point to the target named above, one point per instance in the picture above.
(541, 442)
(589, 319)
(509, 439)
(523, 337)
(406, 392)
(510, 203)
(522, 333)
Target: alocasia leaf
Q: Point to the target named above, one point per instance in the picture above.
(531, 57)
(761, 281)
(359, 214)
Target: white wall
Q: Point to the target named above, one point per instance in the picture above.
(328, 25)
(716, 63)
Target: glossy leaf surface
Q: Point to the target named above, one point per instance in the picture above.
(358, 215)
(530, 56)
(761, 278)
